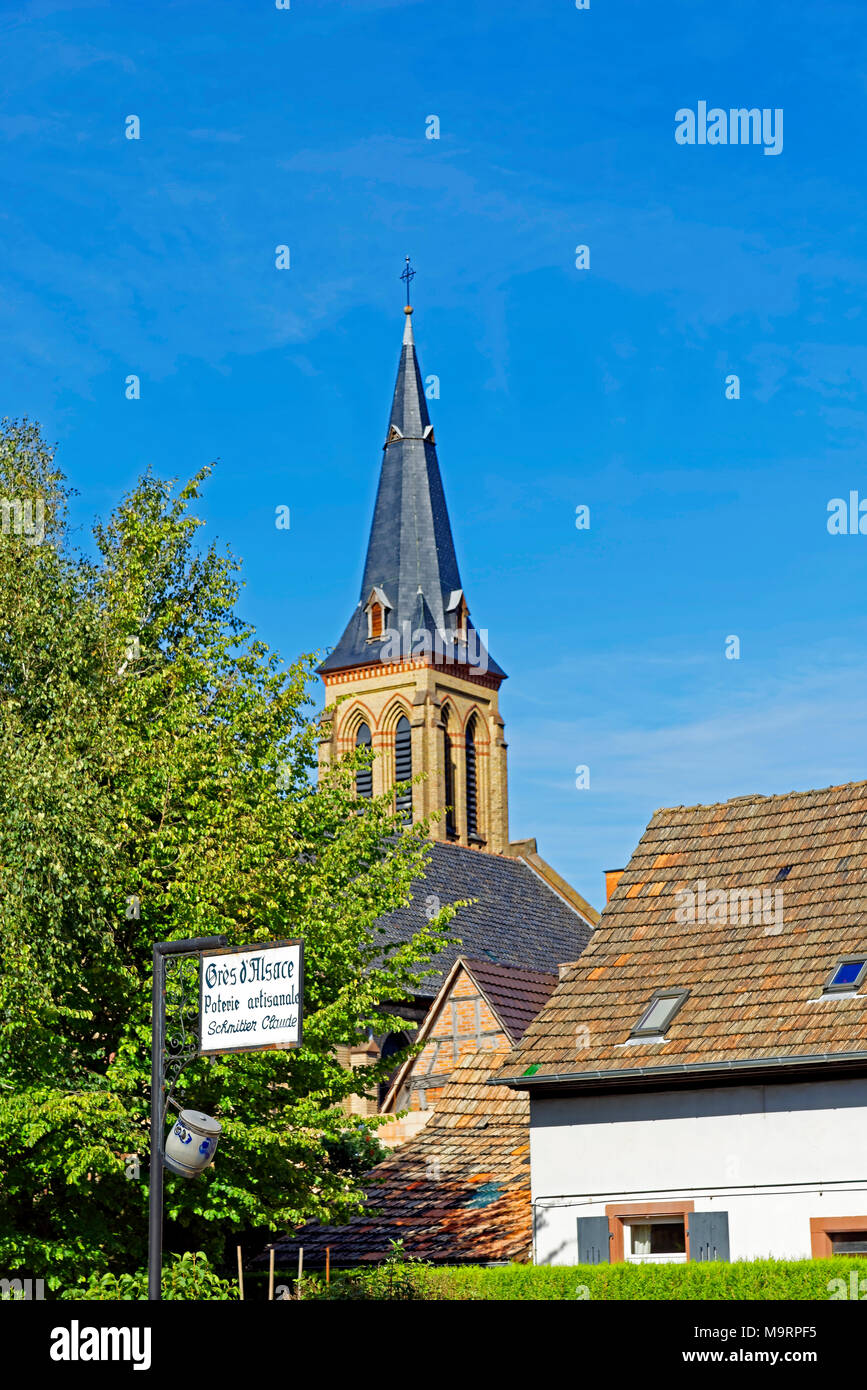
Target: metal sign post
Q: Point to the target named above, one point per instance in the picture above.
(163, 949)
(249, 999)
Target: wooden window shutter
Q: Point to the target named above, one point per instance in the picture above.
(594, 1241)
(708, 1235)
(376, 620)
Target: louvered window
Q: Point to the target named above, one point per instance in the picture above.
(403, 764)
(472, 795)
(376, 620)
(364, 776)
(448, 756)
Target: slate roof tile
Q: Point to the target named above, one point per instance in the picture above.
(516, 920)
(410, 551)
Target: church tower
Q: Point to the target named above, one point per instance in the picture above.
(411, 674)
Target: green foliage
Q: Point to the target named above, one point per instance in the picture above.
(158, 781)
(356, 1150)
(398, 1277)
(802, 1280)
(188, 1277)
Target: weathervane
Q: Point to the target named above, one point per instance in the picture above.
(407, 276)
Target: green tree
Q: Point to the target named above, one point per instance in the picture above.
(157, 781)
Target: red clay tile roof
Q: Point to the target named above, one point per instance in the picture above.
(754, 980)
(516, 995)
(458, 1191)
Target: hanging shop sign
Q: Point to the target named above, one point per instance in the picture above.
(251, 998)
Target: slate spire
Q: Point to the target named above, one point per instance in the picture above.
(411, 569)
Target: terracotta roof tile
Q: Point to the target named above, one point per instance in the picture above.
(456, 1192)
(755, 977)
(517, 995)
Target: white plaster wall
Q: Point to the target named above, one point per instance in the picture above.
(771, 1156)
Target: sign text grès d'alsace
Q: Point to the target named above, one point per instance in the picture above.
(251, 997)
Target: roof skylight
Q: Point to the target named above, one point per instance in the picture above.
(847, 975)
(660, 1011)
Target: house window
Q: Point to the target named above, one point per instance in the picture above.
(403, 765)
(660, 1011)
(847, 975)
(849, 1242)
(651, 1232)
(838, 1235)
(661, 1240)
(364, 776)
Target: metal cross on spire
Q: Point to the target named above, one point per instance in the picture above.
(407, 276)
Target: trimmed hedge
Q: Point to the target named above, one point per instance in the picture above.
(803, 1280)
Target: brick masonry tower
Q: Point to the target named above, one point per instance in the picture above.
(411, 674)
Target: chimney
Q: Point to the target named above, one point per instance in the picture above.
(612, 878)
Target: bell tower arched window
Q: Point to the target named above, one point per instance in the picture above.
(472, 785)
(449, 769)
(403, 764)
(364, 775)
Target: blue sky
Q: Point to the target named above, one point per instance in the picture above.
(559, 387)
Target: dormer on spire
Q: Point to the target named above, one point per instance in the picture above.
(457, 604)
(377, 608)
